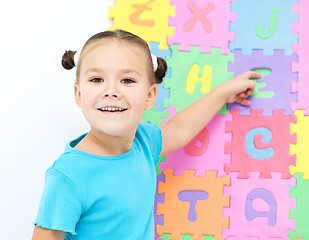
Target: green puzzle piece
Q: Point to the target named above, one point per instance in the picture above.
(301, 213)
(186, 237)
(154, 117)
(193, 74)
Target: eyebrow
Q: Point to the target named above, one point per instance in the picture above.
(99, 70)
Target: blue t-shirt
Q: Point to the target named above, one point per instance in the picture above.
(97, 197)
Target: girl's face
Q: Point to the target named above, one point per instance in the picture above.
(114, 88)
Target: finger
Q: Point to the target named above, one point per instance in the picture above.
(245, 94)
(249, 92)
(242, 95)
(251, 86)
(244, 102)
(253, 74)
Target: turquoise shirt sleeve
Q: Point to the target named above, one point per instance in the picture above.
(61, 203)
(154, 138)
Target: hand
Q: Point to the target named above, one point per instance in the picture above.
(240, 87)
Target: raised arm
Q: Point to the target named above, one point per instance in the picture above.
(185, 125)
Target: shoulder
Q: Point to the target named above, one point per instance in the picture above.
(148, 129)
(149, 136)
(68, 163)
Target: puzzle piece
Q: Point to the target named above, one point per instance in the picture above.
(278, 81)
(264, 150)
(204, 152)
(259, 208)
(145, 18)
(301, 213)
(301, 28)
(162, 93)
(159, 198)
(154, 117)
(176, 219)
(301, 149)
(184, 72)
(201, 23)
(269, 27)
(302, 86)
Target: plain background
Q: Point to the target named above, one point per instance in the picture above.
(38, 114)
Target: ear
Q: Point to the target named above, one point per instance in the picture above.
(151, 98)
(77, 94)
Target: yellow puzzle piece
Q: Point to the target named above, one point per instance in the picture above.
(147, 19)
(301, 149)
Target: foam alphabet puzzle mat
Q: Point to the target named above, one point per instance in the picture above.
(245, 176)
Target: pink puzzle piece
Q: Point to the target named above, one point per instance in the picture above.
(201, 23)
(302, 86)
(204, 152)
(302, 8)
(260, 144)
(259, 208)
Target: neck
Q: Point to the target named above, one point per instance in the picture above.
(102, 144)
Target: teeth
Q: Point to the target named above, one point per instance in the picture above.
(112, 109)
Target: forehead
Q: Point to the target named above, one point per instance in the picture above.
(108, 52)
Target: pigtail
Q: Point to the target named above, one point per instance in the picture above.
(68, 59)
(161, 70)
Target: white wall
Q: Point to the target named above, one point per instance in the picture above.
(38, 115)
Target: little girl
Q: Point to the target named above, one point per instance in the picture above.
(103, 185)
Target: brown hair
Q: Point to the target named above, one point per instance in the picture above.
(156, 77)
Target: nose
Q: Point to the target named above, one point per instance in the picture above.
(111, 91)
(113, 95)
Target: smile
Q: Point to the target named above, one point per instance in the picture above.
(112, 109)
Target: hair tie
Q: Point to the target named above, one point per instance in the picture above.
(76, 57)
(154, 62)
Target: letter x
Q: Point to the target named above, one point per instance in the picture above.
(199, 15)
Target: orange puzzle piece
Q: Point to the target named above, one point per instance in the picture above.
(206, 214)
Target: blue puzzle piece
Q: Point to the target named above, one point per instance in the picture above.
(263, 24)
(162, 92)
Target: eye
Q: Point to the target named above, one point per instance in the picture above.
(127, 81)
(96, 79)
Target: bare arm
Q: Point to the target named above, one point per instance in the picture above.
(183, 127)
(40, 233)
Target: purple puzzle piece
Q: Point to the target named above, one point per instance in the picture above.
(159, 198)
(278, 81)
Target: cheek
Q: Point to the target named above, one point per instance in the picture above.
(88, 99)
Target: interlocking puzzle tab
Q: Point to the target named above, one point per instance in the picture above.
(159, 198)
(182, 75)
(301, 87)
(145, 18)
(260, 144)
(162, 93)
(193, 205)
(278, 81)
(204, 152)
(202, 23)
(301, 213)
(301, 28)
(268, 27)
(259, 207)
(301, 149)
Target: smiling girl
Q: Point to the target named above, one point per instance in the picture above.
(103, 185)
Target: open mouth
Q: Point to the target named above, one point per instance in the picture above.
(112, 109)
